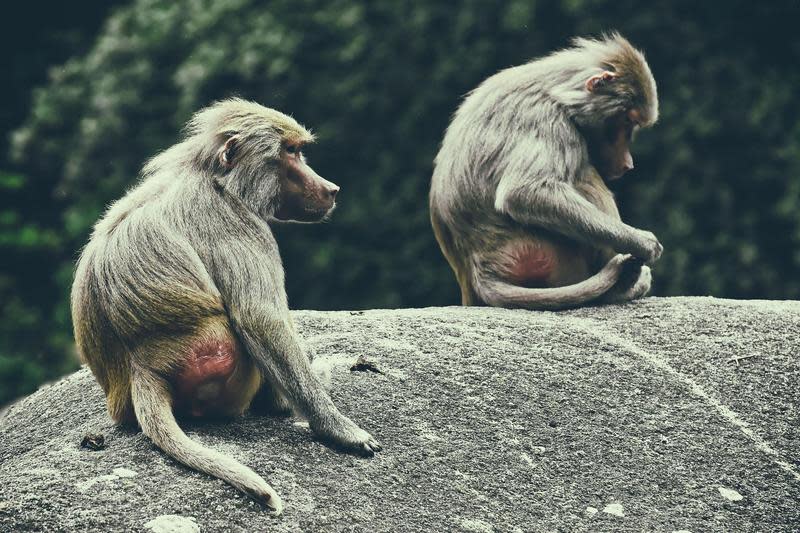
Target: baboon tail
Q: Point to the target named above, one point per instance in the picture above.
(152, 403)
(499, 293)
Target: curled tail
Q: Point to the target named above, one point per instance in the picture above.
(152, 403)
(499, 293)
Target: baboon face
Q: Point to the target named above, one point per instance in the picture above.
(304, 195)
(609, 145)
(610, 137)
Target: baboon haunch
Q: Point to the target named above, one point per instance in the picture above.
(179, 301)
(518, 199)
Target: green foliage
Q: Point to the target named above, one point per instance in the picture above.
(716, 180)
(29, 351)
(35, 339)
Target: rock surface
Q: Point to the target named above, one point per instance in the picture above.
(679, 414)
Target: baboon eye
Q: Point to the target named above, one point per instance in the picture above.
(292, 149)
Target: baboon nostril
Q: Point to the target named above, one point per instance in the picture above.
(332, 191)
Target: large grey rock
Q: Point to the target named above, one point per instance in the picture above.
(660, 415)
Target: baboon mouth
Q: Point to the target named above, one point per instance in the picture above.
(322, 210)
(319, 213)
(614, 174)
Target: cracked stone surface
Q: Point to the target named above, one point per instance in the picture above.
(666, 414)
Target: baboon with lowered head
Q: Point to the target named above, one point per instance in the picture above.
(518, 200)
(179, 303)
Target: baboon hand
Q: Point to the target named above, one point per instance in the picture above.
(369, 445)
(347, 435)
(647, 247)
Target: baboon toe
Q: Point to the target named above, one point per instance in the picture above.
(363, 443)
(351, 438)
(372, 446)
(366, 446)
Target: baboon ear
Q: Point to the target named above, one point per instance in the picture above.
(228, 153)
(599, 80)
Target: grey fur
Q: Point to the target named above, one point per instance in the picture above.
(187, 250)
(513, 162)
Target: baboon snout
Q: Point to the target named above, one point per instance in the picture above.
(327, 189)
(627, 163)
(331, 190)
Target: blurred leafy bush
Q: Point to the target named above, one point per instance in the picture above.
(716, 180)
(27, 330)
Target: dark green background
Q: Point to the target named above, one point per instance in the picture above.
(93, 88)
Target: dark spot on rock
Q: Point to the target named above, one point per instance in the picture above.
(93, 442)
(357, 313)
(552, 424)
(362, 365)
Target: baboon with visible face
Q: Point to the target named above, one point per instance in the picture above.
(518, 200)
(179, 303)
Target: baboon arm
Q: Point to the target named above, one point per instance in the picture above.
(536, 189)
(250, 283)
(256, 304)
(272, 343)
(558, 207)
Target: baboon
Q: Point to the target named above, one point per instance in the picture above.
(518, 200)
(179, 303)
